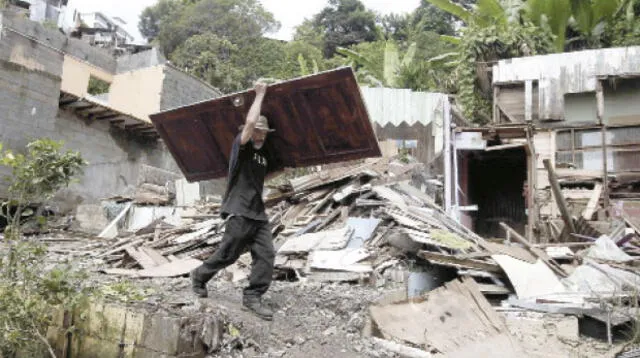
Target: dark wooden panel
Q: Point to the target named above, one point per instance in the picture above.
(318, 119)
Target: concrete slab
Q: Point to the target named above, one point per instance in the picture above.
(90, 219)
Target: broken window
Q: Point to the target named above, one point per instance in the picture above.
(582, 149)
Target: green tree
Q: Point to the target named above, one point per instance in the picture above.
(396, 27)
(345, 23)
(380, 69)
(29, 293)
(301, 59)
(494, 30)
(238, 21)
(428, 17)
(309, 33)
(153, 18)
(209, 57)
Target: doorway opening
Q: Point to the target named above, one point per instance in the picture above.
(497, 186)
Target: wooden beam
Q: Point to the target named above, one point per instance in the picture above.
(532, 174)
(109, 116)
(593, 202)
(605, 169)
(66, 102)
(541, 254)
(496, 110)
(528, 100)
(557, 193)
(135, 126)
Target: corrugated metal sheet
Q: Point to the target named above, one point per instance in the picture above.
(318, 119)
(572, 72)
(395, 106)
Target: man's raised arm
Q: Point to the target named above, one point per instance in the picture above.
(254, 113)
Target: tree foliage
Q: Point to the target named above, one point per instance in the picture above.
(345, 23)
(154, 18)
(443, 45)
(29, 294)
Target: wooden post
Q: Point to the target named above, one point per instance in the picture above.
(496, 109)
(532, 215)
(448, 182)
(528, 100)
(557, 192)
(605, 166)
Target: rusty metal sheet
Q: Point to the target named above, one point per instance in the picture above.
(318, 119)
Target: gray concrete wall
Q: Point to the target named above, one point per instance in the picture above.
(115, 158)
(581, 107)
(35, 33)
(622, 102)
(140, 60)
(29, 110)
(180, 89)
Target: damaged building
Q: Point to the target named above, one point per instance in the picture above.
(64, 89)
(578, 111)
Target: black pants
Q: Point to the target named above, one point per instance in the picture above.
(241, 233)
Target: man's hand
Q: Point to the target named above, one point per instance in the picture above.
(260, 88)
(254, 113)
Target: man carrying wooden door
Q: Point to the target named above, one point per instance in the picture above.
(247, 224)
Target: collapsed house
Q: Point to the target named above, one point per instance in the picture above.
(578, 112)
(539, 175)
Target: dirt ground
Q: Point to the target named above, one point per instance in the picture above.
(311, 319)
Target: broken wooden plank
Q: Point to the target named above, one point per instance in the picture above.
(172, 269)
(452, 261)
(513, 251)
(341, 260)
(490, 289)
(593, 202)
(451, 319)
(401, 349)
(335, 276)
(557, 193)
(122, 247)
(141, 257)
(154, 255)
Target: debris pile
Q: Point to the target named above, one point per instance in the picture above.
(366, 223)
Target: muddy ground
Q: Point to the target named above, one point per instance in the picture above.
(311, 320)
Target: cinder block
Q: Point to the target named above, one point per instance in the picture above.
(161, 334)
(91, 347)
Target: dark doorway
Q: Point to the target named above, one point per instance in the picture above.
(496, 185)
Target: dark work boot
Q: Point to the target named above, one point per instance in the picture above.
(255, 305)
(198, 287)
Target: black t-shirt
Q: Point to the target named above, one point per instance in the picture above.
(247, 169)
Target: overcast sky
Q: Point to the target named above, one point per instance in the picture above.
(290, 13)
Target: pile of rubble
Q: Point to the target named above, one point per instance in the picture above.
(367, 223)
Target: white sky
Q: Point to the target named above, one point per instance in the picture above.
(290, 13)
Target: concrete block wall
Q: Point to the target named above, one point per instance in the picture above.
(140, 60)
(180, 89)
(115, 159)
(113, 330)
(26, 105)
(53, 39)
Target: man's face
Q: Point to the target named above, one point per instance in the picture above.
(258, 138)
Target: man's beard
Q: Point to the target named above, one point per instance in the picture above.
(257, 145)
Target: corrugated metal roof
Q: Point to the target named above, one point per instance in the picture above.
(394, 106)
(570, 72)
